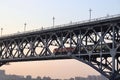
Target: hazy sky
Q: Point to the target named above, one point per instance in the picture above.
(38, 13)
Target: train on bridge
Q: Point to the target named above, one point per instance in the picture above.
(83, 49)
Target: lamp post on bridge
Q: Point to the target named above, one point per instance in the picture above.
(53, 21)
(1, 31)
(25, 27)
(90, 10)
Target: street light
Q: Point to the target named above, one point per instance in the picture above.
(1, 31)
(53, 21)
(25, 27)
(90, 10)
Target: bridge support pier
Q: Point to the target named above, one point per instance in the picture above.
(2, 63)
(113, 77)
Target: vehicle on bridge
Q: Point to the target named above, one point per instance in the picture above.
(83, 50)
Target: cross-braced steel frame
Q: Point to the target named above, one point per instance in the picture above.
(95, 43)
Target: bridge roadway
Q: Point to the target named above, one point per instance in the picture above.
(95, 43)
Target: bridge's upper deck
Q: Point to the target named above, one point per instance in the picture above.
(86, 23)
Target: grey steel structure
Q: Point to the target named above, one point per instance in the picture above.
(95, 43)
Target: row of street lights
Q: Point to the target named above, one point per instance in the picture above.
(24, 29)
(90, 15)
(90, 10)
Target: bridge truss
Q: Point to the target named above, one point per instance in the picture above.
(96, 44)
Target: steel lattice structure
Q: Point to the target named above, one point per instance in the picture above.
(96, 43)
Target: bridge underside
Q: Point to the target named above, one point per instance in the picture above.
(96, 44)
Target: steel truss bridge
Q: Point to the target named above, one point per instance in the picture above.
(95, 43)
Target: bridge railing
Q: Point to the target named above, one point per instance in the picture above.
(63, 25)
(90, 20)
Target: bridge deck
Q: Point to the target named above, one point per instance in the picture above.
(82, 24)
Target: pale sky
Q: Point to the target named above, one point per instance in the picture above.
(38, 13)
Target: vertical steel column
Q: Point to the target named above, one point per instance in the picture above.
(79, 42)
(45, 44)
(112, 52)
(101, 38)
(70, 39)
